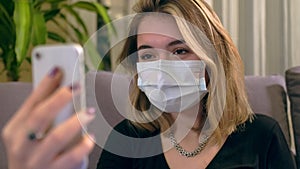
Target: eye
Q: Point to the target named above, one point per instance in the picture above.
(147, 57)
(180, 51)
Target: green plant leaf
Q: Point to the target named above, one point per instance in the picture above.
(12, 66)
(5, 18)
(8, 6)
(63, 29)
(54, 1)
(81, 36)
(85, 5)
(99, 9)
(28, 59)
(39, 29)
(23, 22)
(77, 17)
(7, 29)
(92, 56)
(7, 37)
(39, 3)
(9, 60)
(94, 7)
(56, 37)
(50, 14)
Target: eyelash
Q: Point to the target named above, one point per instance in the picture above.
(150, 56)
(180, 49)
(147, 56)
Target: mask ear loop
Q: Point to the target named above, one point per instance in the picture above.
(202, 84)
(202, 81)
(140, 83)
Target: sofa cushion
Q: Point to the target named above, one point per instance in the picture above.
(267, 95)
(107, 92)
(293, 88)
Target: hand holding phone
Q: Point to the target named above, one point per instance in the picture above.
(69, 58)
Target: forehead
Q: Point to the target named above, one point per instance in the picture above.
(159, 25)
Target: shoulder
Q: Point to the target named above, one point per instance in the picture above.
(273, 145)
(260, 124)
(265, 127)
(260, 143)
(125, 127)
(260, 129)
(265, 120)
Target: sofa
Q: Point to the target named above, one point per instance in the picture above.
(274, 96)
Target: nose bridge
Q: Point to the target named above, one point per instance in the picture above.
(164, 55)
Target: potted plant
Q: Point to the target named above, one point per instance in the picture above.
(23, 24)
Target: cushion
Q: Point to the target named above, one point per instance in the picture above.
(267, 95)
(108, 93)
(293, 88)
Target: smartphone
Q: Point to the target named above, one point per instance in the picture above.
(70, 59)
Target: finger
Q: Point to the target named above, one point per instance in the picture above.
(73, 158)
(48, 84)
(42, 116)
(39, 120)
(66, 134)
(45, 88)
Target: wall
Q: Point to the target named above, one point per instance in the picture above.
(266, 32)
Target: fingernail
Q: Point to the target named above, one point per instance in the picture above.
(91, 111)
(53, 72)
(92, 136)
(74, 87)
(84, 163)
(87, 116)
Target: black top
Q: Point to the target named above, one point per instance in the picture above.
(260, 145)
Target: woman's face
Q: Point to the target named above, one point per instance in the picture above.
(159, 38)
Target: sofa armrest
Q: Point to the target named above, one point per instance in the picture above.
(293, 88)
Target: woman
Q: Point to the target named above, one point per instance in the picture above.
(190, 108)
(175, 121)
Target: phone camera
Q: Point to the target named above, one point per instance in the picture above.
(38, 56)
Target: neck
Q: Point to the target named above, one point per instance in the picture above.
(190, 119)
(186, 128)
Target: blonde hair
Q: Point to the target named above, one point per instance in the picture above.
(227, 104)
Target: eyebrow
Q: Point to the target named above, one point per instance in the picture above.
(173, 43)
